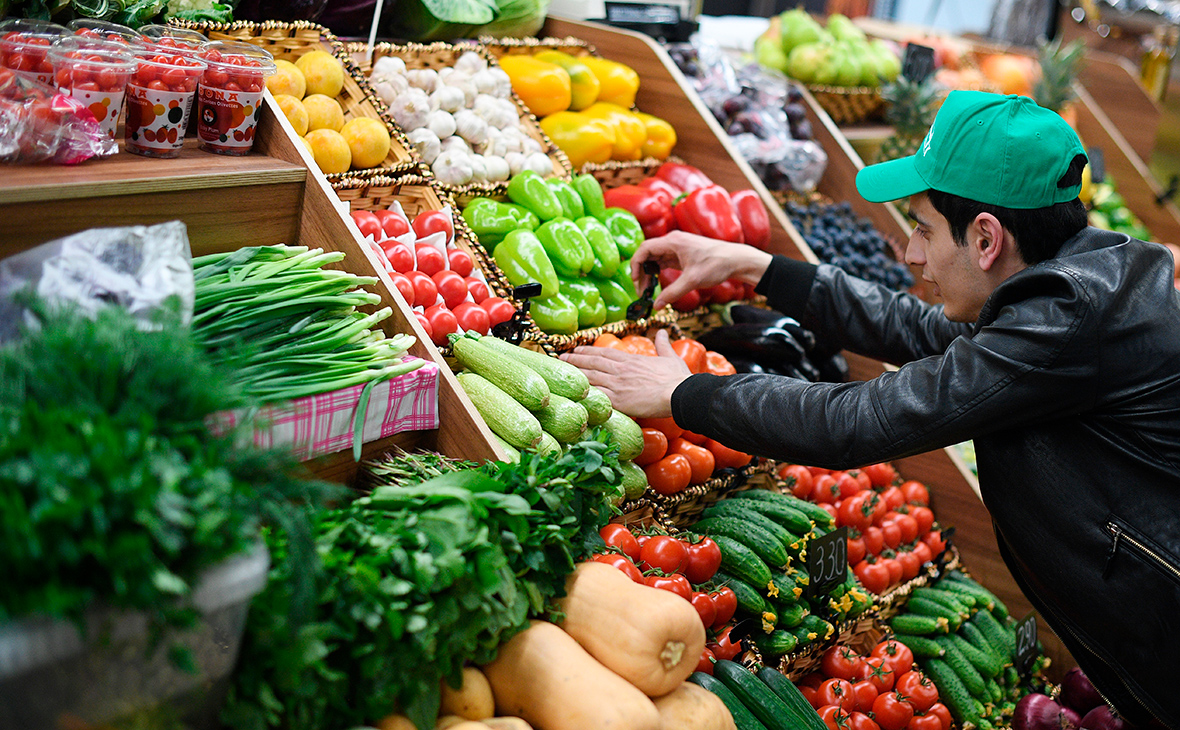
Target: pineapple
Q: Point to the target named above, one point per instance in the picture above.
(1054, 89)
(912, 106)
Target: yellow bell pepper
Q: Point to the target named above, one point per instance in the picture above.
(618, 83)
(543, 87)
(583, 84)
(661, 137)
(630, 133)
(582, 138)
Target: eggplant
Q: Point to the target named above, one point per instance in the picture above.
(756, 342)
(746, 314)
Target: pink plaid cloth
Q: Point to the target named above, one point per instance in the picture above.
(323, 424)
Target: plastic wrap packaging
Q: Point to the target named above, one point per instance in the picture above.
(139, 268)
(39, 124)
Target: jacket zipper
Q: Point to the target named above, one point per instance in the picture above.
(1119, 533)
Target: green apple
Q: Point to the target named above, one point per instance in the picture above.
(806, 61)
(769, 52)
(799, 28)
(843, 29)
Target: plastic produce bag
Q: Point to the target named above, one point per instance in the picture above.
(139, 268)
(38, 124)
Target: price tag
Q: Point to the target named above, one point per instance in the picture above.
(1026, 643)
(918, 62)
(827, 560)
(629, 13)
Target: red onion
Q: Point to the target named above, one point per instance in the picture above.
(1071, 719)
(1037, 712)
(1101, 718)
(1077, 692)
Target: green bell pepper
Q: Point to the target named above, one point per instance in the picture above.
(602, 242)
(571, 202)
(527, 188)
(626, 230)
(622, 277)
(590, 191)
(568, 249)
(614, 297)
(555, 315)
(527, 218)
(490, 221)
(523, 260)
(584, 294)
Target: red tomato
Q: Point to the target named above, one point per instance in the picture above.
(861, 721)
(430, 260)
(915, 493)
(705, 664)
(655, 447)
(856, 550)
(404, 286)
(874, 541)
(873, 576)
(451, 287)
(401, 258)
(425, 292)
(864, 693)
(442, 323)
(918, 690)
(667, 425)
(704, 558)
(725, 457)
(477, 289)
(364, 220)
(393, 223)
(922, 550)
(726, 601)
(894, 569)
(824, 489)
(433, 221)
(924, 722)
(861, 477)
(856, 511)
(723, 648)
(460, 261)
(663, 552)
(891, 533)
(892, 712)
(830, 509)
(700, 459)
(677, 584)
(798, 479)
(880, 509)
(934, 540)
(908, 526)
(847, 484)
(911, 565)
(622, 562)
(835, 717)
(924, 516)
(893, 498)
(176, 77)
(425, 325)
(472, 317)
(940, 711)
(688, 302)
(809, 694)
(669, 475)
(499, 310)
(692, 353)
(841, 662)
(813, 680)
(896, 654)
(837, 692)
(879, 673)
(705, 607)
(716, 364)
(619, 536)
(881, 475)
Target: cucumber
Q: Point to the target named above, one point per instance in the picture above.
(776, 643)
(626, 433)
(524, 386)
(975, 637)
(805, 636)
(984, 662)
(742, 563)
(755, 695)
(965, 592)
(563, 418)
(916, 624)
(742, 717)
(923, 607)
(968, 675)
(561, 377)
(923, 647)
(508, 419)
(1001, 639)
(597, 405)
(790, 615)
(804, 715)
(634, 479)
(737, 509)
(511, 451)
(951, 692)
(822, 629)
(764, 544)
(955, 602)
(789, 517)
(814, 512)
(748, 598)
(997, 608)
(547, 444)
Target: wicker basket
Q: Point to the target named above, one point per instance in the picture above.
(499, 47)
(443, 55)
(664, 319)
(860, 633)
(613, 174)
(289, 41)
(849, 104)
(642, 513)
(684, 508)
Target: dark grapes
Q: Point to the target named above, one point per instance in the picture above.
(839, 238)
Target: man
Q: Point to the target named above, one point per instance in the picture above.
(1057, 349)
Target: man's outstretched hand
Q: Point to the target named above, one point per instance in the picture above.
(639, 385)
(703, 262)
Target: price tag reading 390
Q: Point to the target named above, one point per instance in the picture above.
(1026, 643)
(827, 559)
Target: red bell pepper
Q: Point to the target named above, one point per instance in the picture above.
(752, 214)
(708, 212)
(652, 208)
(684, 177)
(658, 183)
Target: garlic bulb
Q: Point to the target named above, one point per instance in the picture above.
(484, 105)
(470, 127)
(389, 65)
(384, 91)
(463, 83)
(470, 63)
(479, 169)
(539, 163)
(485, 81)
(515, 162)
(441, 123)
(449, 98)
(456, 144)
(444, 73)
(493, 145)
(497, 168)
(504, 115)
(423, 78)
(410, 109)
(453, 168)
(503, 87)
(426, 143)
(529, 146)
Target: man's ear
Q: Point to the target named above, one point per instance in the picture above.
(989, 241)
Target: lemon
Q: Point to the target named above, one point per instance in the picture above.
(330, 150)
(323, 112)
(287, 79)
(323, 72)
(294, 111)
(368, 139)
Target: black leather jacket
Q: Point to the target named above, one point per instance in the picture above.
(1069, 385)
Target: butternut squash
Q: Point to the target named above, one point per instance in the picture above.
(472, 701)
(689, 707)
(650, 637)
(543, 676)
(507, 723)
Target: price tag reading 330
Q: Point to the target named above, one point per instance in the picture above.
(1026, 643)
(827, 560)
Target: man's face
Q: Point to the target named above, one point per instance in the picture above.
(951, 268)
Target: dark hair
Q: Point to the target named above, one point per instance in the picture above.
(1039, 232)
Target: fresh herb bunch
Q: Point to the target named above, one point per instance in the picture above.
(133, 13)
(112, 490)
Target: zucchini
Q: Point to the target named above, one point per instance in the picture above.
(547, 444)
(912, 623)
(737, 510)
(754, 694)
(742, 717)
(561, 377)
(789, 517)
(764, 544)
(984, 662)
(748, 598)
(597, 405)
(967, 673)
(742, 562)
(805, 716)
(951, 692)
(524, 386)
(923, 607)
(923, 647)
(776, 643)
(508, 419)
(563, 418)
(511, 451)
(626, 433)
(634, 479)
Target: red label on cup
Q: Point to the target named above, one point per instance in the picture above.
(226, 119)
(156, 120)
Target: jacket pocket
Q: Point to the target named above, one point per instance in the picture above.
(1124, 538)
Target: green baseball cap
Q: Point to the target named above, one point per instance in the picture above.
(1000, 150)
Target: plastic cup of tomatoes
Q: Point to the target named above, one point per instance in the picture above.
(104, 30)
(96, 74)
(230, 98)
(24, 47)
(159, 97)
(167, 39)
